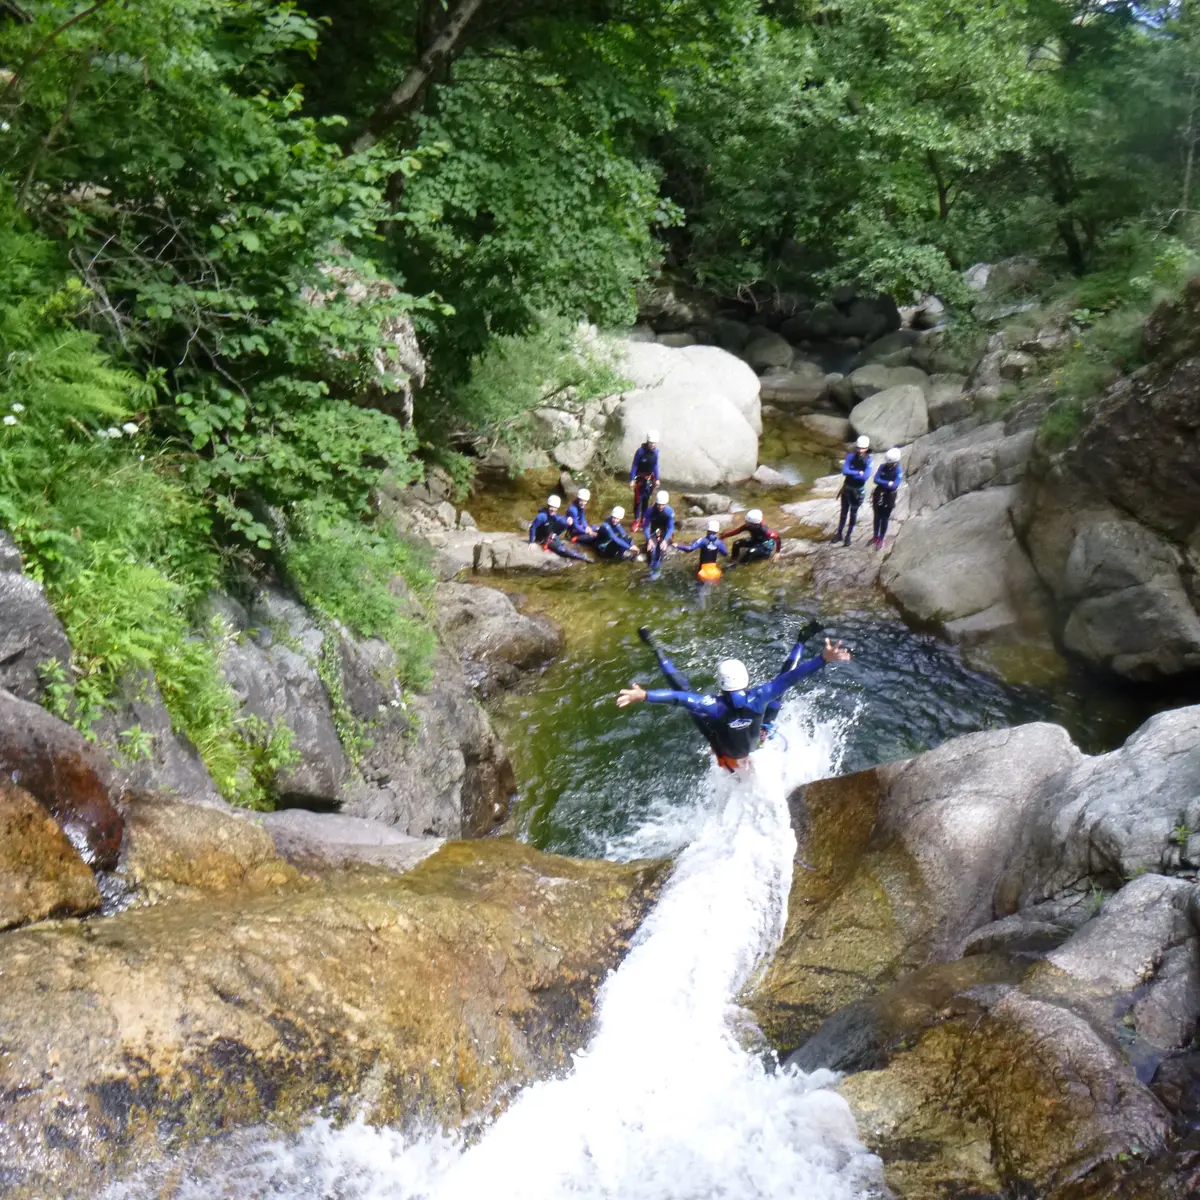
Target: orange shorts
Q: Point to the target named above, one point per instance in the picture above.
(731, 764)
(709, 573)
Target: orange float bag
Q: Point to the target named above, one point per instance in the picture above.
(709, 573)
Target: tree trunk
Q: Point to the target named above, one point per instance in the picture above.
(400, 102)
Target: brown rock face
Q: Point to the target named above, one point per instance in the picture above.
(41, 875)
(172, 849)
(425, 995)
(70, 778)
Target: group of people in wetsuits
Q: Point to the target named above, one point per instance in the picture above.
(654, 518)
(856, 474)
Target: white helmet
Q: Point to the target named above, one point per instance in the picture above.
(554, 502)
(732, 676)
(754, 516)
(618, 513)
(863, 443)
(893, 455)
(651, 435)
(714, 526)
(662, 497)
(583, 494)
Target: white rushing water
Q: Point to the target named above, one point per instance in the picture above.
(666, 1102)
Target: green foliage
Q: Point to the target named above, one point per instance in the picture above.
(556, 364)
(347, 571)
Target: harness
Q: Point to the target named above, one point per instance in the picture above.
(885, 497)
(854, 487)
(735, 737)
(657, 519)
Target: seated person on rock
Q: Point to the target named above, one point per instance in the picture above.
(731, 721)
(611, 539)
(759, 543)
(888, 479)
(547, 529)
(856, 470)
(582, 530)
(643, 477)
(711, 549)
(660, 531)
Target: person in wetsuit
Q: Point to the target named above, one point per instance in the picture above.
(758, 544)
(731, 721)
(660, 531)
(856, 470)
(710, 546)
(888, 479)
(643, 477)
(611, 539)
(581, 528)
(547, 529)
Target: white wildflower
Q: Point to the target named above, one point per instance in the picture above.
(113, 432)
(10, 420)
(18, 408)
(130, 428)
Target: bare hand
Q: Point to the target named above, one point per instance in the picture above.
(632, 695)
(834, 652)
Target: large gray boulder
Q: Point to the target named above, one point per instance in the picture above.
(766, 349)
(876, 377)
(705, 441)
(947, 399)
(496, 644)
(508, 554)
(959, 568)
(893, 417)
(31, 636)
(950, 463)
(704, 367)
(272, 667)
(1119, 586)
(800, 387)
(1116, 816)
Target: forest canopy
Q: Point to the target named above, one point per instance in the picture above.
(215, 215)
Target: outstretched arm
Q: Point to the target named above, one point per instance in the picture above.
(787, 679)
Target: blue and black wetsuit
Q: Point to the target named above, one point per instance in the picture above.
(856, 470)
(612, 541)
(547, 530)
(643, 474)
(581, 529)
(710, 546)
(888, 479)
(732, 721)
(660, 529)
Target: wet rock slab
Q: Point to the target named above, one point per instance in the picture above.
(420, 995)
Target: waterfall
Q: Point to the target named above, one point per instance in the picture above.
(672, 1098)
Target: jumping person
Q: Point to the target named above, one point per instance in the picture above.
(581, 529)
(611, 539)
(547, 529)
(660, 531)
(731, 721)
(759, 542)
(711, 549)
(888, 479)
(856, 470)
(643, 477)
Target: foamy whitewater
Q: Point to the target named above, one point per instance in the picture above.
(666, 1102)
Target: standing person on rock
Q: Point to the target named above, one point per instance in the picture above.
(888, 479)
(581, 528)
(760, 543)
(611, 539)
(643, 477)
(547, 529)
(660, 531)
(856, 471)
(733, 720)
